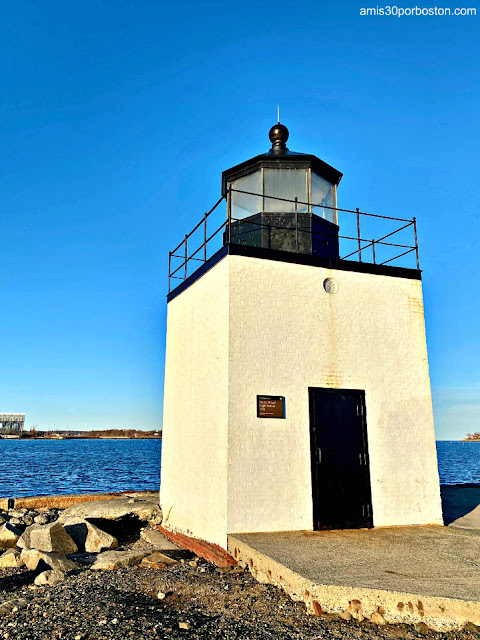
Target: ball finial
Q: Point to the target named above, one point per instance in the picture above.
(278, 137)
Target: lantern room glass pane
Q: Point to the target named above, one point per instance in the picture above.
(323, 192)
(285, 183)
(244, 205)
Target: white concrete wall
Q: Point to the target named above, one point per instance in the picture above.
(193, 491)
(252, 326)
(288, 334)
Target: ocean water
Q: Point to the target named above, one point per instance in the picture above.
(52, 467)
(458, 462)
(49, 467)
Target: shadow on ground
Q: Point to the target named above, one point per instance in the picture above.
(458, 500)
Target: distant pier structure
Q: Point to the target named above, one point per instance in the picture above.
(12, 423)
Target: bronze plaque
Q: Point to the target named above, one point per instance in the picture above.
(270, 407)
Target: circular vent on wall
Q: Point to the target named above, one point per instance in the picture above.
(330, 285)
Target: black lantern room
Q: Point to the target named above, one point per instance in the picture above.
(283, 200)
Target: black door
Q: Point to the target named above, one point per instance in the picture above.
(340, 464)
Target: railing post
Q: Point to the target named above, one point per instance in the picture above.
(229, 213)
(205, 240)
(416, 241)
(373, 250)
(186, 255)
(358, 233)
(169, 268)
(296, 225)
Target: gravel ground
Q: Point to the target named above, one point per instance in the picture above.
(196, 601)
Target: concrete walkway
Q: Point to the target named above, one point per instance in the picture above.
(407, 574)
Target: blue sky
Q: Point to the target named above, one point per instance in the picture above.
(117, 118)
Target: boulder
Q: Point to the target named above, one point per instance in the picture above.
(50, 577)
(48, 537)
(9, 536)
(11, 558)
(109, 560)
(157, 560)
(35, 559)
(114, 510)
(87, 536)
(157, 539)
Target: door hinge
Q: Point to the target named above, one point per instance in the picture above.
(366, 510)
(363, 459)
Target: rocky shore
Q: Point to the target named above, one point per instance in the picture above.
(102, 571)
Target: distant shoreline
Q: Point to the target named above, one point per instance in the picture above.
(3, 437)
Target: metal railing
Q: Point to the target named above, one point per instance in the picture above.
(203, 243)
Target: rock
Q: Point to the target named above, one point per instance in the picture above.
(11, 558)
(28, 520)
(6, 607)
(157, 539)
(109, 560)
(193, 563)
(9, 536)
(114, 509)
(48, 537)
(421, 627)
(87, 536)
(50, 577)
(16, 521)
(19, 603)
(42, 518)
(184, 625)
(377, 618)
(35, 559)
(157, 560)
(10, 606)
(17, 513)
(345, 615)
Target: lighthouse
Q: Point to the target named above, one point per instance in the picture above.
(297, 391)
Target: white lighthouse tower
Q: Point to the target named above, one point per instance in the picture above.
(297, 391)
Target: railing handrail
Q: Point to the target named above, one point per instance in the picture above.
(297, 228)
(199, 224)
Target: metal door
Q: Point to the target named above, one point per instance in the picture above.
(340, 463)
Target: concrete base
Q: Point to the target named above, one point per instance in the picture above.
(407, 574)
